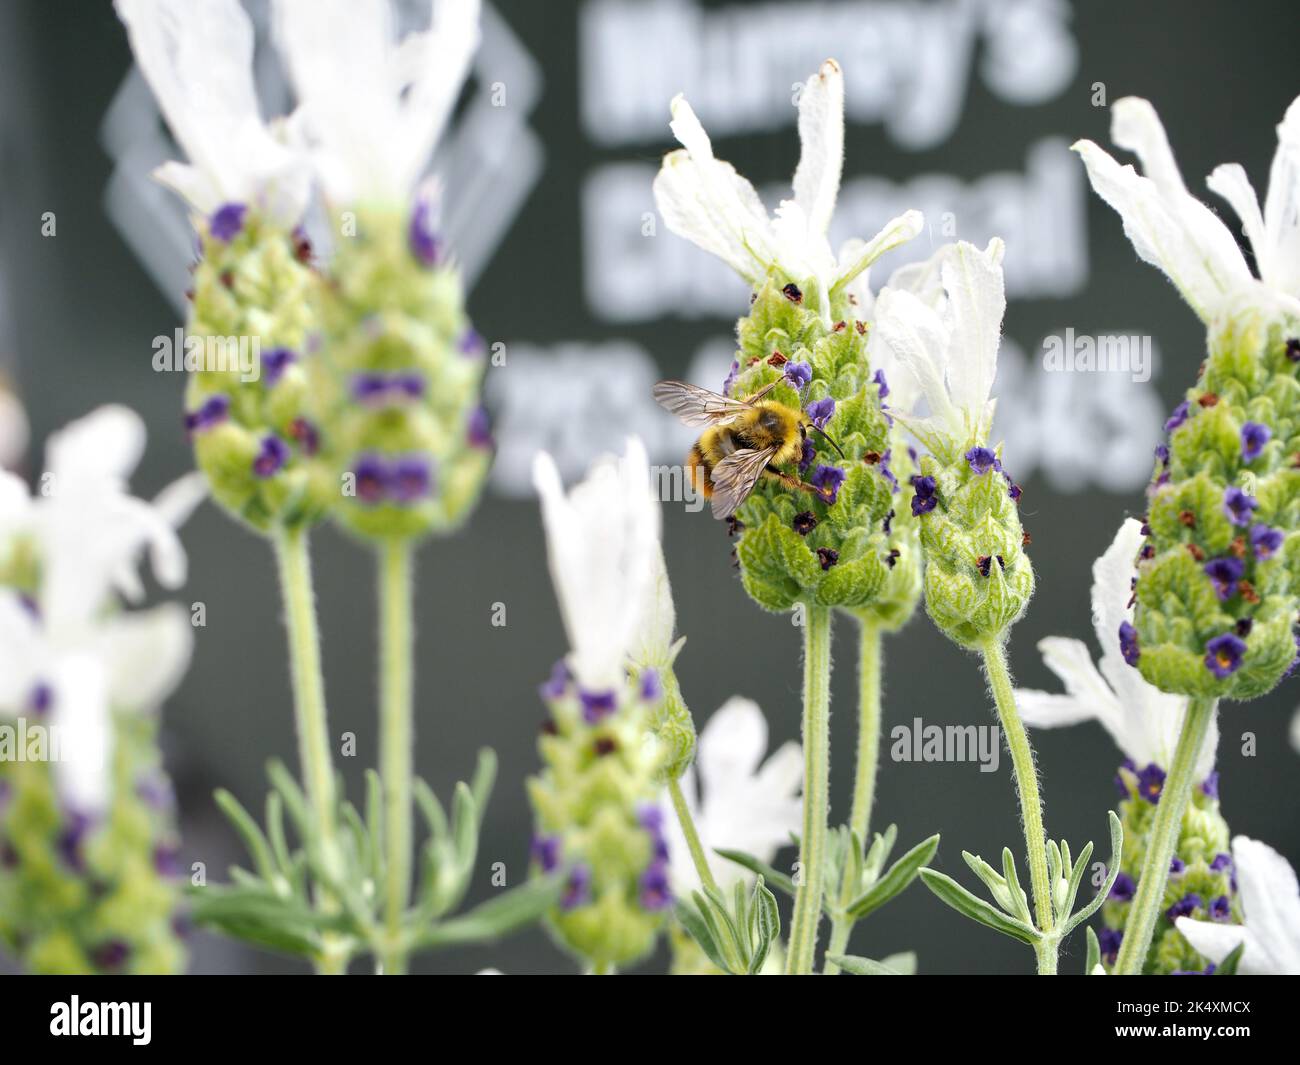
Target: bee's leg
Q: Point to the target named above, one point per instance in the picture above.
(791, 482)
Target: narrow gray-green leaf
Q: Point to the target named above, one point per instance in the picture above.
(899, 876)
(975, 908)
(778, 880)
(1116, 850)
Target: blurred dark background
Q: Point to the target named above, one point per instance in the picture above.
(965, 105)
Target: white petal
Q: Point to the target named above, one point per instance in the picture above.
(1041, 709)
(1229, 180)
(1270, 898)
(1168, 227)
(81, 713)
(373, 108)
(976, 302)
(146, 653)
(904, 388)
(782, 774)
(704, 200)
(1112, 586)
(601, 541)
(731, 746)
(1279, 262)
(681, 198)
(23, 656)
(821, 140)
(1216, 941)
(896, 231)
(918, 339)
(104, 445)
(653, 638)
(197, 56)
(178, 500)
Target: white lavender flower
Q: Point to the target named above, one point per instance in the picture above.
(1271, 929)
(1171, 229)
(64, 651)
(197, 56)
(603, 544)
(373, 107)
(748, 803)
(703, 199)
(943, 325)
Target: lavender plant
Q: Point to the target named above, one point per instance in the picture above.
(89, 854)
(362, 406)
(837, 541)
(1216, 597)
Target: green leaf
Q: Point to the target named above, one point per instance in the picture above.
(254, 841)
(275, 831)
(856, 966)
(1018, 898)
(1228, 967)
(879, 852)
(1116, 850)
(1076, 878)
(1093, 956)
(464, 825)
(903, 963)
(690, 917)
(485, 775)
(496, 918)
(434, 815)
(767, 924)
(977, 909)
(260, 917)
(899, 876)
(748, 861)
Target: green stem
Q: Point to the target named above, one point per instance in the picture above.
(816, 790)
(1174, 796)
(730, 948)
(310, 719)
(396, 741)
(864, 785)
(1031, 805)
(692, 836)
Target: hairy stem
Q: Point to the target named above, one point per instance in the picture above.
(816, 790)
(864, 783)
(692, 836)
(316, 764)
(1031, 805)
(396, 740)
(1174, 796)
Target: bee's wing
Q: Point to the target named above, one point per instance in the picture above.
(696, 406)
(735, 476)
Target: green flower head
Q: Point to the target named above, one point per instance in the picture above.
(811, 480)
(940, 325)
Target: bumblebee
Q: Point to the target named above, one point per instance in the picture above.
(743, 440)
